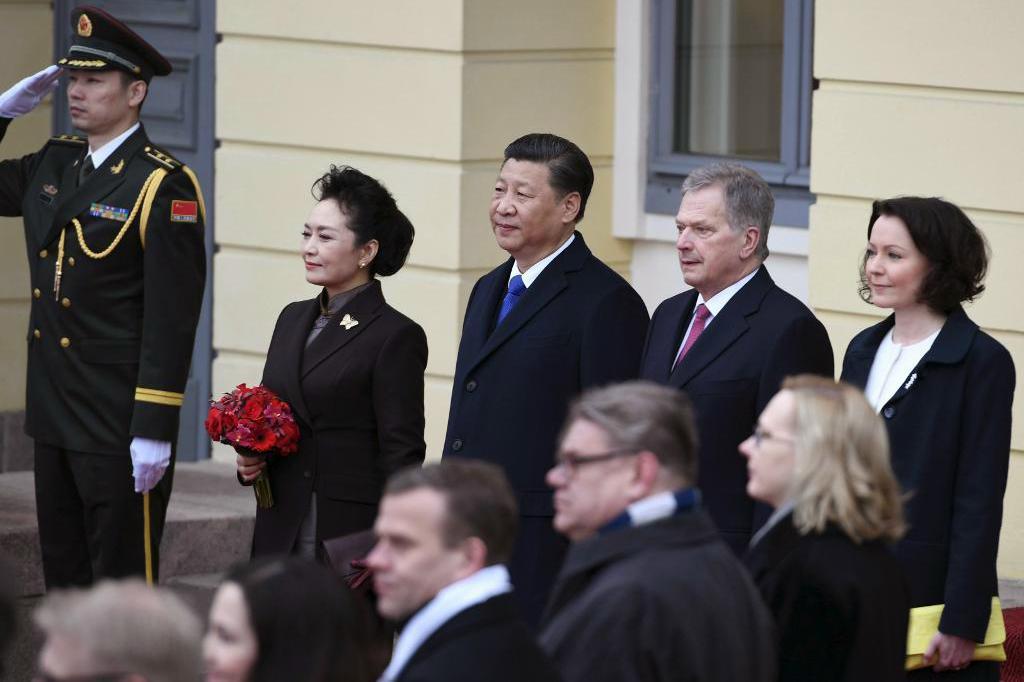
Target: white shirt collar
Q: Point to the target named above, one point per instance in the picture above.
(533, 272)
(718, 301)
(103, 153)
(654, 508)
(452, 600)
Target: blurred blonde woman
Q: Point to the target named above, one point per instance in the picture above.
(819, 456)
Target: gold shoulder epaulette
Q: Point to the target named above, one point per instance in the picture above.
(161, 158)
(68, 139)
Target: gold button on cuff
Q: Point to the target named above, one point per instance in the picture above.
(36, 293)
(71, 261)
(37, 333)
(65, 342)
(66, 302)
(44, 253)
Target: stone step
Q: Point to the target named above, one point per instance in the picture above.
(209, 524)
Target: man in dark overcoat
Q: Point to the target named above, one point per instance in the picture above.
(730, 340)
(114, 232)
(649, 591)
(549, 322)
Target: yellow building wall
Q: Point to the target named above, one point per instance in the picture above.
(26, 32)
(937, 111)
(422, 96)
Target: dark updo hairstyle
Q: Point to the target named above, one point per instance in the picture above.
(305, 621)
(569, 169)
(955, 248)
(372, 214)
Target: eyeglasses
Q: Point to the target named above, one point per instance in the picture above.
(760, 435)
(570, 462)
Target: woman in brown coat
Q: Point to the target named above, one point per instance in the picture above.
(350, 366)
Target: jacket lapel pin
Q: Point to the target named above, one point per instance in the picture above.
(910, 381)
(348, 321)
(118, 167)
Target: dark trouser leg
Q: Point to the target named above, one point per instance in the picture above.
(114, 514)
(536, 560)
(59, 510)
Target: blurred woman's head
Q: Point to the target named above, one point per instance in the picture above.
(922, 251)
(354, 232)
(819, 446)
(282, 618)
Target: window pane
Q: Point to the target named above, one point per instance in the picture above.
(729, 78)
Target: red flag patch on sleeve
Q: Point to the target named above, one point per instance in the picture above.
(184, 211)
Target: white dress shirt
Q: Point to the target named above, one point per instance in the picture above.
(892, 366)
(100, 155)
(533, 272)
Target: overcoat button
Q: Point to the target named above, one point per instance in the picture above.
(471, 385)
(44, 253)
(307, 474)
(66, 302)
(38, 334)
(36, 293)
(889, 412)
(456, 445)
(65, 342)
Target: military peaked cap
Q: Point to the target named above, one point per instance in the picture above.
(101, 42)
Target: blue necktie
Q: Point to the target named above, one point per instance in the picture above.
(515, 290)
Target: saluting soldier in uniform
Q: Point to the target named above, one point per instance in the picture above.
(114, 231)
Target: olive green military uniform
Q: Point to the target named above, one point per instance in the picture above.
(117, 269)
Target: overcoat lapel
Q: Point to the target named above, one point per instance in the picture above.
(477, 326)
(293, 351)
(363, 309)
(728, 326)
(950, 347)
(100, 183)
(550, 283)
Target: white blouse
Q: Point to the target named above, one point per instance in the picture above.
(892, 367)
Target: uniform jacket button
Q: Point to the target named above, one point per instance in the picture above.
(71, 261)
(888, 412)
(36, 293)
(456, 445)
(44, 253)
(65, 342)
(36, 333)
(471, 385)
(66, 302)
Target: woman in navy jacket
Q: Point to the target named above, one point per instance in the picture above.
(945, 389)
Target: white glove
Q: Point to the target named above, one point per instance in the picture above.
(150, 459)
(27, 93)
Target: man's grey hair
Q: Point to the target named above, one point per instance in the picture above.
(640, 415)
(748, 199)
(127, 626)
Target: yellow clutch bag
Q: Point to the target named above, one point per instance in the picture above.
(924, 623)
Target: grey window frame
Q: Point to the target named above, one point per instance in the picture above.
(790, 177)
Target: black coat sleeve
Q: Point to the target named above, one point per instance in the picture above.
(14, 175)
(174, 276)
(983, 461)
(398, 398)
(613, 339)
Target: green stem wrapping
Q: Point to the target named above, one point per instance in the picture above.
(264, 498)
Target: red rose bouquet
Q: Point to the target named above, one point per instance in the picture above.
(256, 422)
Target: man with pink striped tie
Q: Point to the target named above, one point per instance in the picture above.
(731, 339)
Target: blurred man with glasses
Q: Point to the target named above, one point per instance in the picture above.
(648, 590)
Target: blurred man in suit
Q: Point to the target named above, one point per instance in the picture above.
(648, 591)
(730, 340)
(444, 534)
(549, 322)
